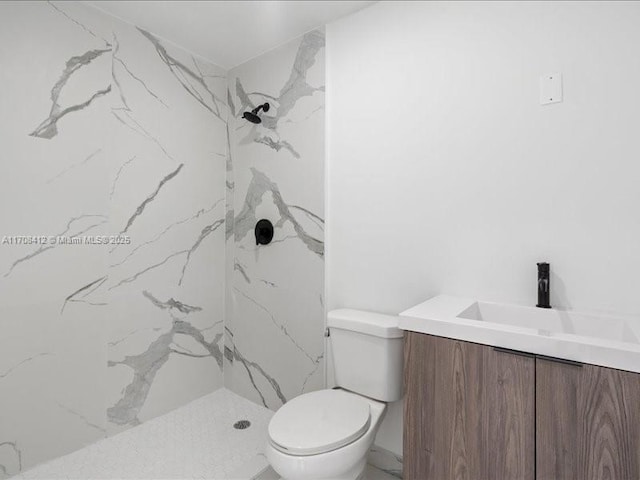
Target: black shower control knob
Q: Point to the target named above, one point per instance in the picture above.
(264, 232)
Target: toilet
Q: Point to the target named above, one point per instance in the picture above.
(327, 434)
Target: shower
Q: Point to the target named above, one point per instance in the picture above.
(252, 116)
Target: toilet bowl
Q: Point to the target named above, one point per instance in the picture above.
(327, 434)
(323, 435)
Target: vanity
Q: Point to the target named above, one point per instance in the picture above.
(503, 392)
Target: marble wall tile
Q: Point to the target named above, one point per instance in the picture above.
(106, 130)
(109, 130)
(165, 289)
(274, 344)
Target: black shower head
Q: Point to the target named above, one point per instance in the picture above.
(252, 116)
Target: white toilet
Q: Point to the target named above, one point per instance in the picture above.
(327, 434)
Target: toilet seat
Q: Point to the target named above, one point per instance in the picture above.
(319, 422)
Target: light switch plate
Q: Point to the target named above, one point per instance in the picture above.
(550, 88)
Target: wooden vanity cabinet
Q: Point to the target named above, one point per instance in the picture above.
(587, 422)
(469, 411)
(473, 412)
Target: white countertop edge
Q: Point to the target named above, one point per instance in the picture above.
(438, 317)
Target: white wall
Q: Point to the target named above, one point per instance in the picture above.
(445, 174)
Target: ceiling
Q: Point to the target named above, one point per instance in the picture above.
(229, 33)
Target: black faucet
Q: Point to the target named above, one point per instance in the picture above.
(543, 286)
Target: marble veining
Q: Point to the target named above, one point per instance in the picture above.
(49, 126)
(295, 88)
(90, 157)
(22, 362)
(253, 367)
(147, 364)
(76, 22)
(276, 145)
(136, 146)
(186, 76)
(245, 220)
(229, 183)
(118, 173)
(196, 215)
(83, 292)
(206, 231)
(279, 326)
(117, 61)
(267, 300)
(94, 221)
(124, 116)
(150, 198)
(238, 267)
(187, 253)
(83, 418)
(171, 304)
(146, 141)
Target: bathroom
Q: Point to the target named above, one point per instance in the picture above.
(234, 229)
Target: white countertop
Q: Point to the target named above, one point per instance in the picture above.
(605, 340)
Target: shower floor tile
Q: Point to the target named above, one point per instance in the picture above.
(196, 441)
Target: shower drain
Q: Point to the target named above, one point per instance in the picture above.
(242, 424)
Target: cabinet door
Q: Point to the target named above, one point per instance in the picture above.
(469, 411)
(588, 422)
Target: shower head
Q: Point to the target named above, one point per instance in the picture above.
(252, 116)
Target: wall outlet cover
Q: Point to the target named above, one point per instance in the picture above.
(550, 88)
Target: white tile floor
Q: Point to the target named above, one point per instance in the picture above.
(196, 441)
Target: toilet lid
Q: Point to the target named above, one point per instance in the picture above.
(319, 422)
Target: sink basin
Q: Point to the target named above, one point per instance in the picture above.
(551, 321)
(599, 339)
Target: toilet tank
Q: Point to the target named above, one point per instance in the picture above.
(367, 353)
